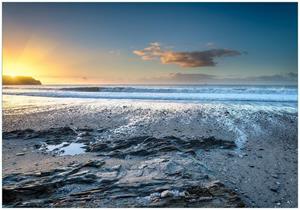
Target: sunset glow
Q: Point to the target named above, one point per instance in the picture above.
(78, 45)
(150, 105)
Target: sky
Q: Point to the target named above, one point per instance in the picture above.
(151, 43)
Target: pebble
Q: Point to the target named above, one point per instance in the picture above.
(274, 189)
(116, 167)
(20, 154)
(36, 146)
(85, 133)
(166, 193)
(230, 154)
(154, 196)
(206, 176)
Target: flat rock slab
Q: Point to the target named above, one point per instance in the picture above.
(137, 172)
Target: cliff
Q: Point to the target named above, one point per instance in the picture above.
(19, 80)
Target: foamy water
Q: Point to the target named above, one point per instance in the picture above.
(232, 94)
(188, 112)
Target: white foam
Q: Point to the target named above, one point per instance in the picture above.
(198, 93)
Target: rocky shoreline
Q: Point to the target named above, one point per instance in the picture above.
(150, 173)
(126, 156)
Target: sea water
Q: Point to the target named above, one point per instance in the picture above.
(229, 111)
(277, 95)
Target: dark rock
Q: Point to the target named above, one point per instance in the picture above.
(230, 154)
(101, 130)
(274, 189)
(151, 146)
(165, 171)
(19, 80)
(37, 146)
(94, 163)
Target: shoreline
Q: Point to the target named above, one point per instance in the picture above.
(259, 172)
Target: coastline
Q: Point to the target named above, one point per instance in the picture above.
(263, 151)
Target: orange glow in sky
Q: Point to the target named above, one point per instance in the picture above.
(26, 59)
(40, 59)
(113, 44)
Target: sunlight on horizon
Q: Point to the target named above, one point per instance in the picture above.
(38, 44)
(27, 60)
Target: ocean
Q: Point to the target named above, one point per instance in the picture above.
(276, 95)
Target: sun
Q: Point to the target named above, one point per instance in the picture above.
(12, 74)
(14, 69)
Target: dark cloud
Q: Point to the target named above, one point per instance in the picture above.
(289, 77)
(184, 59)
(183, 78)
(197, 58)
(178, 77)
(293, 75)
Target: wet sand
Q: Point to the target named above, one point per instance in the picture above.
(150, 154)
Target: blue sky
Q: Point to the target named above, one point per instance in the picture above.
(105, 42)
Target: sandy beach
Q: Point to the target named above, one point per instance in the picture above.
(114, 153)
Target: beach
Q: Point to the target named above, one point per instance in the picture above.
(150, 147)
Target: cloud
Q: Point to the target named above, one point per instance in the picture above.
(292, 75)
(210, 45)
(197, 58)
(179, 77)
(150, 53)
(289, 77)
(183, 78)
(184, 59)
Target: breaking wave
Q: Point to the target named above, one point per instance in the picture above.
(172, 93)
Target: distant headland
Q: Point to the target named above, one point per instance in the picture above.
(19, 80)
